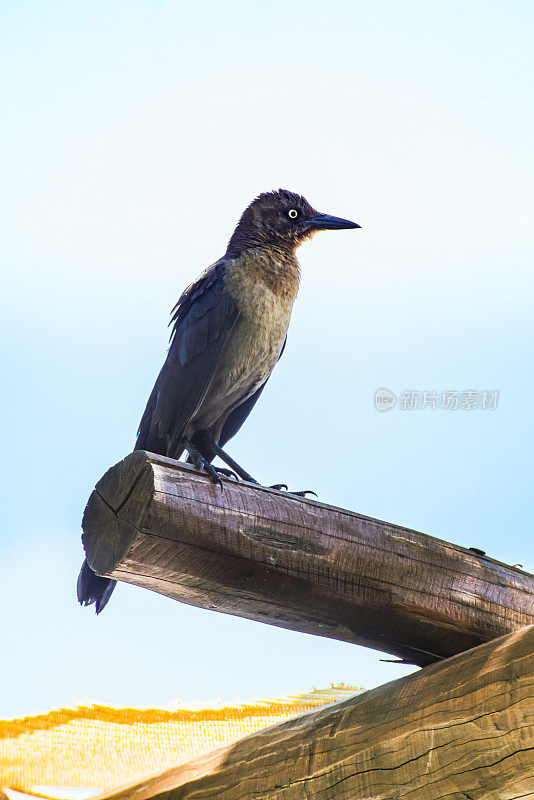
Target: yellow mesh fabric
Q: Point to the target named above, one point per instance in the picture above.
(101, 747)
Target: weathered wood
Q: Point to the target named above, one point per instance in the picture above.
(459, 729)
(297, 563)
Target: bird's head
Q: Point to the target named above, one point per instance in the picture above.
(280, 219)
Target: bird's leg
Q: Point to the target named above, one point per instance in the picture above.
(206, 443)
(198, 460)
(243, 474)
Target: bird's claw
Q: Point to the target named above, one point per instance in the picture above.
(283, 487)
(212, 472)
(201, 464)
(228, 473)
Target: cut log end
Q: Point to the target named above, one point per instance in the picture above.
(114, 512)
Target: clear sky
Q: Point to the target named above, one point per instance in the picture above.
(133, 135)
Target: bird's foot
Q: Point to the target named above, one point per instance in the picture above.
(208, 445)
(283, 487)
(228, 473)
(198, 460)
(212, 472)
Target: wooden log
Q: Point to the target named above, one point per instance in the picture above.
(463, 728)
(297, 563)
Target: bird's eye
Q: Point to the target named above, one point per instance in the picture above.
(292, 213)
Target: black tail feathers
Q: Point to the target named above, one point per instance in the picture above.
(91, 588)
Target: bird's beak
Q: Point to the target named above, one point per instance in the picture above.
(324, 222)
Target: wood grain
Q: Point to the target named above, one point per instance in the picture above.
(459, 729)
(297, 563)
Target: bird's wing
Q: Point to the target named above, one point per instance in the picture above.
(203, 319)
(239, 414)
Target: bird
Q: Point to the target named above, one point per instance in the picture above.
(229, 329)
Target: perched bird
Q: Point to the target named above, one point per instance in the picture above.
(229, 330)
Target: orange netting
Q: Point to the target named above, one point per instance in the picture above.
(100, 747)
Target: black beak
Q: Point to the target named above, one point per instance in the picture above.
(324, 222)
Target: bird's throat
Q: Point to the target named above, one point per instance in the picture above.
(265, 268)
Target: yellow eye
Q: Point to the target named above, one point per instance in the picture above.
(292, 213)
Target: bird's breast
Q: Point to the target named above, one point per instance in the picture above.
(264, 286)
(255, 344)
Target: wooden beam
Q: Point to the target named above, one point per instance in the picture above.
(463, 728)
(297, 563)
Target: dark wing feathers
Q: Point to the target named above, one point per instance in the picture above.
(202, 321)
(237, 417)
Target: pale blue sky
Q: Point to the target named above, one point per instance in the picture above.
(133, 135)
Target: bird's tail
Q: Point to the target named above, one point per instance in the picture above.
(91, 588)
